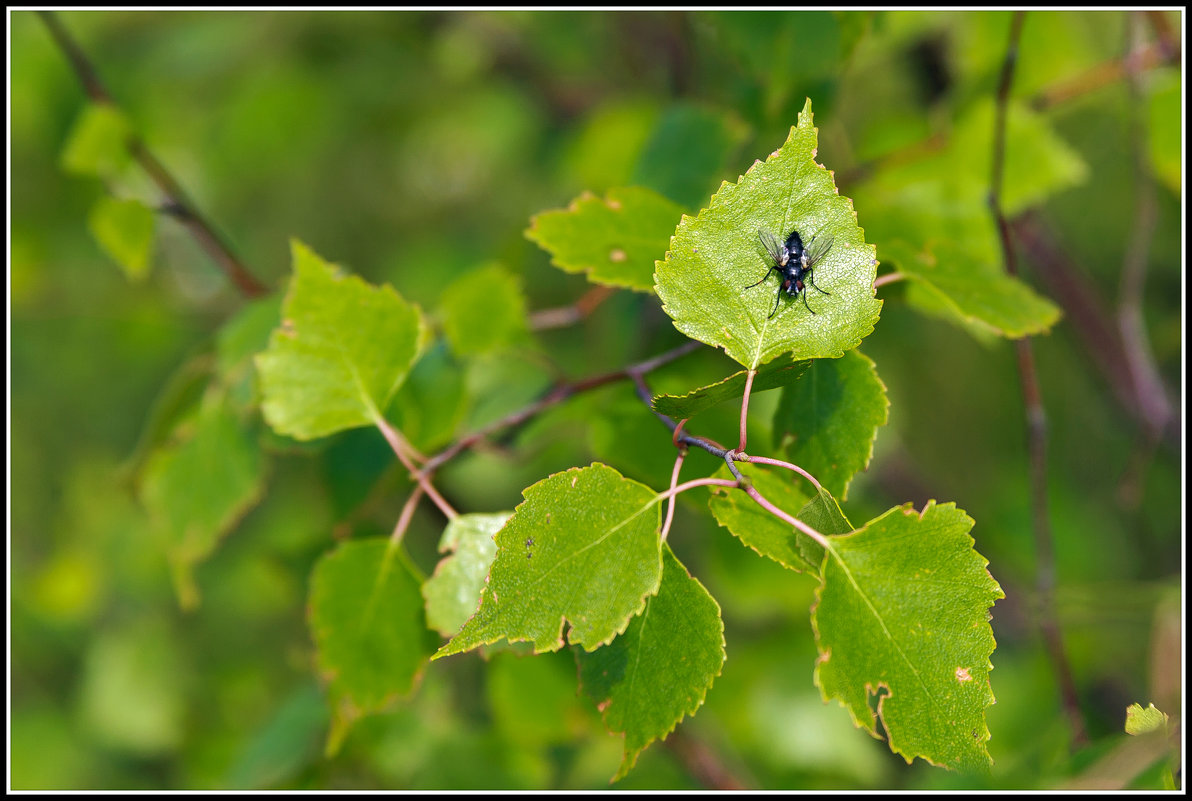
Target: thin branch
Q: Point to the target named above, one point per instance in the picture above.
(556, 395)
(1149, 391)
(670, 503)
(176, 201)
(745, 407)
(888, 278)
(570, 315)
(780, 463)
(407, 514)
(1035, 414)
(402, 448)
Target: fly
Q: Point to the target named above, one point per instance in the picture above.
(794, 264)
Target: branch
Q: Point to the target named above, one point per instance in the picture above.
(569, 315)
(1035, 414)
(176, 202)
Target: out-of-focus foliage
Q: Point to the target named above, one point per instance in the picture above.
(416, 147)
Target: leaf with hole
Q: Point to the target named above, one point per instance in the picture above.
(902, 615)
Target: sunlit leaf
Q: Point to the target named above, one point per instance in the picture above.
(582, 548)
(453, 593)
(124, 229)
(714, 256)
(614, 239)
(902, 613)
(829, 419)
(368, 626)
(660, 669)
(1141, 721)
(781, 372)
(343, 349)
(98, 142)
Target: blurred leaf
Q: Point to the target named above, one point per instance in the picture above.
(368, 626)
(343, 349)
(533, 699)
(432, 403)
(133, 696)
(285, 744)
(614, 240)
(246, 334)
(98, 143)
(687, 152)
(197, 489)
(902, 614)
(606, 148)
(453, 593)
(582, 547)
(1165, 130)
(124, 229)
(1141, 721)
(661, 667)
(1038, 163)
(483, 310)
(829, 419)
(715, 255)
(948, 282)
(762, 531)
(781, 372)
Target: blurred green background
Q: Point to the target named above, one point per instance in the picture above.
(413, 148)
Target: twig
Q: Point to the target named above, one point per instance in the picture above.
(786, 465)
(402, 449)
(1035, 414)
(745, 407)
(407, 514)
(1148, 387)
(888, 278)
(670, 503)
(556, 395)
(569, 315)
(176, 200)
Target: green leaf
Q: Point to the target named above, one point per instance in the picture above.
(1038, 163)
(124, 229)
(583, 548)
(765, 533)
(1141, 721)
(453, 593)
(483, 310)
(368, 626)
(948, 282)
(238, 340)
(781, 372)
(902, 614)
(661, 668)
(829, 419)
(687, 151)
(713, 258)
(431, 404)
(1164, 127)
(614, 240)
(343, 349)
(197, 489)
(98, 143)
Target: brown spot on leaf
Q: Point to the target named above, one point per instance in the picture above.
(617, 255)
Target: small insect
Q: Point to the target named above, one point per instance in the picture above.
(793, 262)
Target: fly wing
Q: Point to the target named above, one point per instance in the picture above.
(816, 249)
(773, 247)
